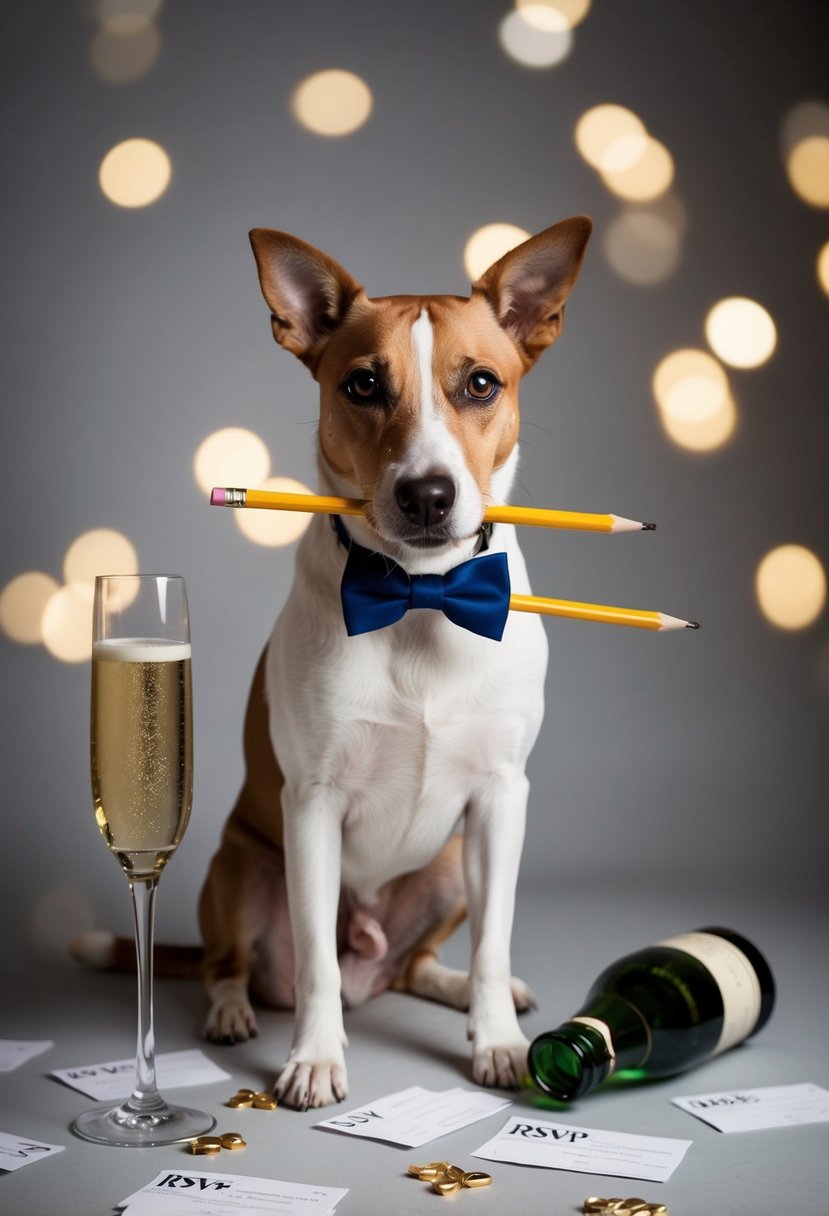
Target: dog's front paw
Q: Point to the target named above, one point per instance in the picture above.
(502, 1065)
(303, 1084)
(230, 1020)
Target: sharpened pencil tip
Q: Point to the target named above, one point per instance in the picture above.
(692, 625)
(648, 527)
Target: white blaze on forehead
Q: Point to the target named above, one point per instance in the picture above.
(424, 344)
(432, 448)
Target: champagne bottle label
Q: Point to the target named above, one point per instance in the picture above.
(735, 977)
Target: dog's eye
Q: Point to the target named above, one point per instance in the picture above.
(363, 386)
(482, 386)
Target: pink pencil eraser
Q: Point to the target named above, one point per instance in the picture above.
(217, 497)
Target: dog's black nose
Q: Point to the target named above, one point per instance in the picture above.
(426, 500)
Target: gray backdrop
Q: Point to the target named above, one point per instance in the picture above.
(130, 335)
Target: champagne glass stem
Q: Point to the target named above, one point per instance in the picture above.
(145, 1095)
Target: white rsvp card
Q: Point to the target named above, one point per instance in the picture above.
(415, 1116)
(114, 1080)
(17, 1151)
(751, 1110)
(192, 1191)
(524, 1140)
(14, 1052)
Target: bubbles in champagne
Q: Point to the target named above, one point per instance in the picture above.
(142, 767)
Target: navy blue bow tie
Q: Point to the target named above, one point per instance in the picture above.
(376, 592)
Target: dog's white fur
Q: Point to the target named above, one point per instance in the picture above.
(388, 740)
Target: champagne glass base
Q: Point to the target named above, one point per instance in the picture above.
(128, 1128)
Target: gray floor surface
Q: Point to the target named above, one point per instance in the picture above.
(563, 937)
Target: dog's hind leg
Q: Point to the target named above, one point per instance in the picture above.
(243, 910)
(233, 914)
(431, 979)
(424, 975)
(413, 913)
(398, 946)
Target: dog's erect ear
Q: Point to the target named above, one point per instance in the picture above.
(527, 288)
(307, 292)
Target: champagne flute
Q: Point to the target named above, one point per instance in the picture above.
(142, 785)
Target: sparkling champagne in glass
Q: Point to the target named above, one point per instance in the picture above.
(142, 786)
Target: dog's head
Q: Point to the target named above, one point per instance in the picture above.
(419, 394)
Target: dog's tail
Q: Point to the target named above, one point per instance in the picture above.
(102, 949)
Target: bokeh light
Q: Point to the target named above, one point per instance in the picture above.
(643, 245)
(35, 608)
(275, 528)
(536, 36)
(543, 16)
(690, 383)
(99, 551)
(610, 137)
(631, 163)
(67, 624)
(791, 587)
(570, 12)
(488, 244)
(135, 173)
(649, 174)
(823, 268)
(808, 169)
(125, 49)
(703, 434)
(805, 138)
(741, 332)
(232, 456)
(22, 604)
(333, 102)
(696, 407)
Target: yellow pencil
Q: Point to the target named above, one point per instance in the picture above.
(640, 618)
(580, 521)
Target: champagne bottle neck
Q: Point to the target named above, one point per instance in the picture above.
(570, 1061)
(606, 1034)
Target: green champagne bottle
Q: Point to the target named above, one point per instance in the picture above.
(658, 1011)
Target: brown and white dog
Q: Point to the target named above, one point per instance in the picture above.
(385, 791)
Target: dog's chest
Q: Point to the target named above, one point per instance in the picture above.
(408, 725)
(420, 718)
(406, 764)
